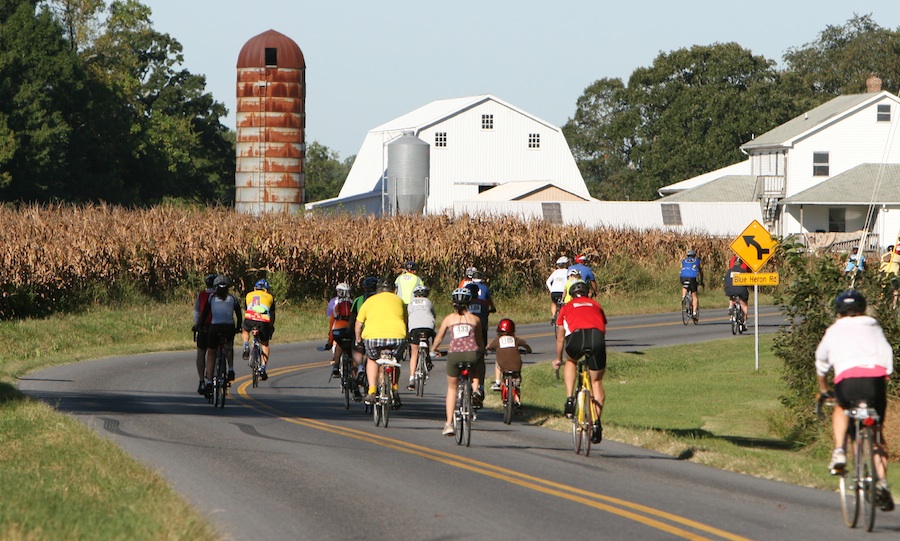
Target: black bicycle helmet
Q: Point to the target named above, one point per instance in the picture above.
(850, 301)
(579, 288)
(222, 282)
(383, 286)
(461, 295)
(410, 266)
(211, 281)
(369, 284)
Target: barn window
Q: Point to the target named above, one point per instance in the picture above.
(884, 113)
(671, 213)
(820, 164)
(271, 56)
(534, 140)
(487, 122)
(440, 139)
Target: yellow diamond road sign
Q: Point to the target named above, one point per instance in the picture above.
(754, 246)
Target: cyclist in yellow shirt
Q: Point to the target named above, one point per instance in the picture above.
(380, 323)
(260, 312)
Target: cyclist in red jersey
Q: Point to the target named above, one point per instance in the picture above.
(581, 324)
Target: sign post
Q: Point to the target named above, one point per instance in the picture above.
(755, 246)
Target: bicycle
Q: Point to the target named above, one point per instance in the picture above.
(256, 355)
(423, 360)
(737, 316)
(510, 395)
(220, 382)
(687, 305)
(385, 400)
(583, 418)
(857, 483)
(348, 382)
(464, 415)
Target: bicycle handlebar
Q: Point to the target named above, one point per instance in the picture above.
(823, 400)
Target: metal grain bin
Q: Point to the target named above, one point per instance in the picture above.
(271, 118)
(408, 173)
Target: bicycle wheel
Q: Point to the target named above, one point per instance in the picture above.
(587, 424)
(740, 320)
(386, 401)
(346, 378)
(686, 309)
(254, 364)
(849, 490)
(458, 414)
(867, 476)
(467, 413)
(222, 380)
(735, 325)
(508, 394)
(421, 371)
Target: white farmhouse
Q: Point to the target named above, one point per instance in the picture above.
(474, 144)
(829, 172)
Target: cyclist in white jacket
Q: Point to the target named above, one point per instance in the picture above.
(556, 283)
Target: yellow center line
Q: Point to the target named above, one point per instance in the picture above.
(625, 508)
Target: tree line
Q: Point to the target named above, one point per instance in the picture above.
(94, 106)
(690, 111)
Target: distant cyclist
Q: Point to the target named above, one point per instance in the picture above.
(200, 330)
(420, 317)
(466, 346)
(339, 331)
(586, 273)
(582, 325)
(224, 311)
(467, 277)
(381, 323)
(690, 277)
(556, 283)
(509, 357)
(731, 290)
(863, 360)
(407, 281)
(572, 276)
(482, 304)
(260, 313)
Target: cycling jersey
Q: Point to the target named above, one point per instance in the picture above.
(586, 273)
(690, 267)
(508, 356)
(421, 313)
(557, 281)
(260, 306)
(222, 311)
(581, 313)
(462, 338)
(384, 316)
(405, 284)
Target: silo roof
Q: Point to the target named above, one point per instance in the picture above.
(253, 53)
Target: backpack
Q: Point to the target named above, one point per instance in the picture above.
(342, 309)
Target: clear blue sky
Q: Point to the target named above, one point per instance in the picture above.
(369, 62)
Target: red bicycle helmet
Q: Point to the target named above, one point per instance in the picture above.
(507, 326)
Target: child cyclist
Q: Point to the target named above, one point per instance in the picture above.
(509, 358)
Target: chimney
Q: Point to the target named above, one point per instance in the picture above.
(873, 84)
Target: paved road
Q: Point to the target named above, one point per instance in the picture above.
(287, 461)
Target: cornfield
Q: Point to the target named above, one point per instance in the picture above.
(53, 254)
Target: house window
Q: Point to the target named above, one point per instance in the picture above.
(487, 122)
(534, 140)
(271, 56)
(440, 139)
(837, 220)
(884, 113)
(820, 164)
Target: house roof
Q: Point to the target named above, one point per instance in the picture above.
(829, 112)
(731, 188)
(868, 183)
(516, 190)
(740, 168)
(436, 111)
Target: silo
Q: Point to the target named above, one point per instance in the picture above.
(271, 117)
(408, 172)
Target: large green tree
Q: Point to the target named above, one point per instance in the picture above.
(842, 57)
(325, 172)
(685, 115)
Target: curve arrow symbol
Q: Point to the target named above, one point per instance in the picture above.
(760, 251)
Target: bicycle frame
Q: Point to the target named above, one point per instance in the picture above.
(220, 377)
(737, 316)
(583, 420)
(255, 362)
(509, 394)
(421, 373)
(687, 304)
(384, 400)
(857, 484)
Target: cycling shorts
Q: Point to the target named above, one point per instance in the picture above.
(556, 297)
(592, 339)
(343, 338)
(373, 345)
(202, 339)
(872, 390)
(265, 329)
(216, 332)
(691, 283)
(414, 334)
(744, 296)
(456, 357)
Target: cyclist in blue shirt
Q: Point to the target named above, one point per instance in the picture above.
(690, 277)
(586, 273)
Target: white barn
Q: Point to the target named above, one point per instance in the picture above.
(476, 143)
